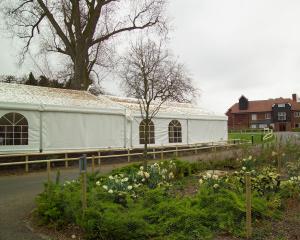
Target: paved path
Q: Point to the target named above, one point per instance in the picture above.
(17, 195)
(285, 136)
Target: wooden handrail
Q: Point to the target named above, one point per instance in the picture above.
(176, 150)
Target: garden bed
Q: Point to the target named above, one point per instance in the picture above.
(177, 200)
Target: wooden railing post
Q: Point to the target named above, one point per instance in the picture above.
(154, 156)
(128, 151)
(26, 164)
(66, 161)
(49, 171)
(99, 159)
(93, 164)
(176, 152)
(162, 154)
(248, 206)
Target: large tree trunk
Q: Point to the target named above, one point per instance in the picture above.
(81, 80)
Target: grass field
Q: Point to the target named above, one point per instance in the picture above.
(247, 136)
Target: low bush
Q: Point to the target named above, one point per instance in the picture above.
(138, 203)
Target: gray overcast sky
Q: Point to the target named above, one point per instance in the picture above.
(231, 47)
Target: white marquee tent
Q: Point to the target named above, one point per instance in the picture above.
(47, 119)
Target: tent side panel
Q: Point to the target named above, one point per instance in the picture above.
(203, 131)
(33, 119)
(75, 131)
(161, 128)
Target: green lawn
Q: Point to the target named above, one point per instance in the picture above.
(247, 136)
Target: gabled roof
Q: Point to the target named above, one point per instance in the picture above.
(264, 105)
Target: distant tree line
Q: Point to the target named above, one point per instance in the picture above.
(41, 81)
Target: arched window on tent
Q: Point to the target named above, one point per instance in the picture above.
(175, 132)
(13, 129)
(151, 135)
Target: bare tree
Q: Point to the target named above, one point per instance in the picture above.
(154, 77)
(80, 29)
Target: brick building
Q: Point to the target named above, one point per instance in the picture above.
(281, 114)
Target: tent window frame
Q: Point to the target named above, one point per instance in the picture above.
(151, 132)
(175, 132)
(13, 130)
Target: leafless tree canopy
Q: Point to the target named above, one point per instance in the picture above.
(80, 29)
(151, 75)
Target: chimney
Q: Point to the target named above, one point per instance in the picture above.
(294, 96)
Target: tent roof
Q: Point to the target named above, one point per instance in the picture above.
(168, 108)
(23, 96)
(44, 96)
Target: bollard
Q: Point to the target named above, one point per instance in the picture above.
(248, 206)
(83, 168)
(252, 140)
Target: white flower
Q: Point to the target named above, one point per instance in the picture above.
(73, 236)
(143, 180)
(274, 153)
(141, 168)
(215, 177)
(110, 191)
(98, 183)
(201, 181)
(140, 173)
(283, 154)
(171, 175)
(125, 180)
(105, 187)
(250, 157)
(129, 187)
(147, 175)
(208, 175)
(216, 186)
(136, 185)
(111, 177)
(244, 168)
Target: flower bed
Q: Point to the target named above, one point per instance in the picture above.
(145, 203)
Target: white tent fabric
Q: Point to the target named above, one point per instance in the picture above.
(61, 119)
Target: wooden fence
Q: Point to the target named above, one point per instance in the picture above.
(97, 155)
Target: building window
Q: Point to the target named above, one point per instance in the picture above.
(268, 116)
(297, 125)
(143, 130)
(282, 105)
(13, 129)
(175, 132)
(282, 116)
(297, 114)
(263, 125)
(253, 126)
(254, 117)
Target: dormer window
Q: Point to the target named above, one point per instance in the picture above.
(282, 105)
